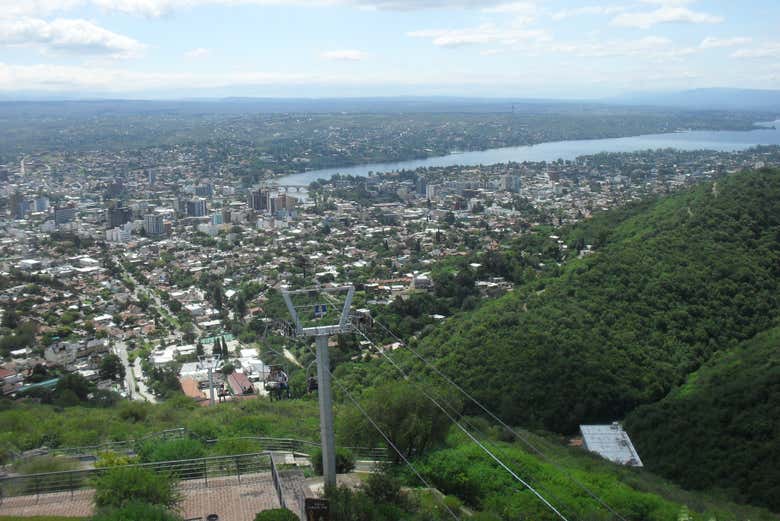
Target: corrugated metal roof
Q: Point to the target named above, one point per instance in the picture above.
(610, 442)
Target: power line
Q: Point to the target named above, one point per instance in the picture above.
(462, 417)
(519, 436)
(470, 436)
(387, 439)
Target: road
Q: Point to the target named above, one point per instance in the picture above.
(158, 303)
(133, 376)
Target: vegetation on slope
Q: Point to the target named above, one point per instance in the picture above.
(28, 426)
(672, 283)
(720, 429)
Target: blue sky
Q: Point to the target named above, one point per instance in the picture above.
(534, 48)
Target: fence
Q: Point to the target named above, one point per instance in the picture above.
(259, 444)
(117, 446)
(192, 471)
(277, 483)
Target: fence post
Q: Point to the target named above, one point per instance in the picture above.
(71, 485)
(206, 472)
(238, 470)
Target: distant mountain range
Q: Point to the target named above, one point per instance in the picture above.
(698, 99)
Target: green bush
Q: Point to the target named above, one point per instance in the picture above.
(171, 450)
(40, 464)
(109, 458)
(120, 486)
(383, 487)
(453, 503)
(137, 512)
(345, 461)
(277, 514)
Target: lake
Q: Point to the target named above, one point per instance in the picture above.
(724, 141)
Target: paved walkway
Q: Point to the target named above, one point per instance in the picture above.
(231, 500)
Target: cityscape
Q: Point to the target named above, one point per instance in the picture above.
(389, 260)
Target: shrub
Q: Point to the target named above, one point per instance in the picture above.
(345, 461)
(383, 488)
(452, 503)
(109, 458)
(277, 514)
(171, 450)
(120, 486)
(136, 511)
(134, 411)
(40, 464)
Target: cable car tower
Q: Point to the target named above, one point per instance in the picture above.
(310, 318)
(211, 364)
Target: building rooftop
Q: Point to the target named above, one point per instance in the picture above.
(610, 442)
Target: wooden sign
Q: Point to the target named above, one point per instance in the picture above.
(317, 509)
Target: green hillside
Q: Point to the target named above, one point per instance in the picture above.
(721, 429)
(673, 283)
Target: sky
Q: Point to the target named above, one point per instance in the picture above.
(346, 48)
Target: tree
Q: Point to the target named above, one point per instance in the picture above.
(111, 368)
(76, 384)
(10, 318)
(216, 348)
(239, 305)
(276, 514)
(402, 411)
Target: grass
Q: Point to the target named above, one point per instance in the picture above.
(28, 426)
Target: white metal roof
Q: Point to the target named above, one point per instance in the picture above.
(610, 442)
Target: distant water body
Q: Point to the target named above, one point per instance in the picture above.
(723, 141)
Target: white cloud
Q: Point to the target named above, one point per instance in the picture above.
(588, 10)
(351, 55)
(197, 53)
(769, 50)
(158, 8)
(67, 35)
(667, 13)
(482, 34)
(512, 7)
(651, 47)
(716, 43)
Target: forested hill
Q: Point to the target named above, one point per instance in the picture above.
(672, 282)
(721, 429)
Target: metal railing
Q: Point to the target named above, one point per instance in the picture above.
(277, 483)
(189, 472)
(118, 446)
(261, 444)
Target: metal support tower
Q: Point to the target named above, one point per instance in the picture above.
(321, 335)
(211, 364)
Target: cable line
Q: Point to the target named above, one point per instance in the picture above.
(470, 436)
(386, 438)
(519, 436)
(496, 448)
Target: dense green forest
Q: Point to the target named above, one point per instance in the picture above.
(673, 282)
(721, 428)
